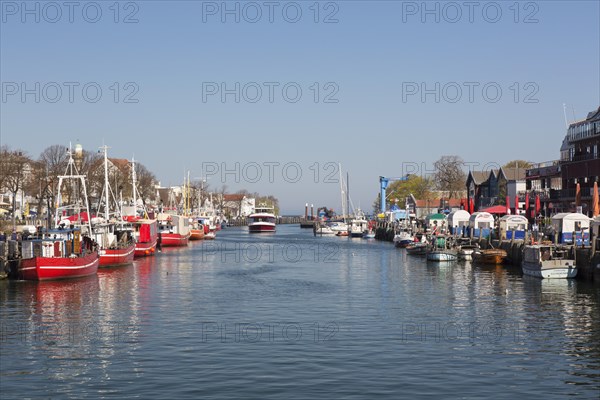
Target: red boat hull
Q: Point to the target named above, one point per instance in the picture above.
(196, 234)
(174, 239)
(47, 268)
(261, 228)
(116, 257)
(147, 236)
(145, 249)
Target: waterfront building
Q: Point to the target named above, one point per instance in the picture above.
(556, 181)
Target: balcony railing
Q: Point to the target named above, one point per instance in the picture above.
(545, 194)
(544, 164)
(570, 192)
(582, 157)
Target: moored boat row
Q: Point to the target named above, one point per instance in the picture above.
(79, 242)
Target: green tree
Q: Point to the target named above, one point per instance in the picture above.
(398, 191)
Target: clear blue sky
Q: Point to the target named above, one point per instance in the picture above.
(374, 58)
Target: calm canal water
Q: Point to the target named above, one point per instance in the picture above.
(293, 316)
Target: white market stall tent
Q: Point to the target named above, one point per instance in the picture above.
(569, 225)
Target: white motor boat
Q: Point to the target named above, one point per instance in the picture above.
(549, 261)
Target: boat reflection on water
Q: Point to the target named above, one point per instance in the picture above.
(56, 323)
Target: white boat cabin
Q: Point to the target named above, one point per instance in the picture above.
(168, 223)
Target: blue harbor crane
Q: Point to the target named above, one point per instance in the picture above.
(383, 184)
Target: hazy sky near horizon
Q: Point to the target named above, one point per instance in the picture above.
(271, 96)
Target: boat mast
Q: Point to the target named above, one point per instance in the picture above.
(106, 187)
(133, 182)
(348, 192)
(71, 173)
(342, 192)
(187, 192)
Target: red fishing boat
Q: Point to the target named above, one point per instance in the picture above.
(116, 244)
(114, 236)
(174, 230)
(145, 231)
(196, 230)
(64, 252)
(146, 234)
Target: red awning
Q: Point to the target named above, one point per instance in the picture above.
(495, 210)
(76, 217)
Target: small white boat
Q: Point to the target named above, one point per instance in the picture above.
(324, 230)
(465, 250)
(417, 248)
(358, 225)
(403, 239)
(339, 227)
(441, 250)
(441, 255)
(548, 261)
(369, 234)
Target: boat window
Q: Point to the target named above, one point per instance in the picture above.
(545, 254)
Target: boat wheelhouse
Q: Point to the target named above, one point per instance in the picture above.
(146, 235)
(174, 230)
(358, 225)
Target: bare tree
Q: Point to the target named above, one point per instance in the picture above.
(51, 163)
(244, 194)
(269, 200)
(55, 159)
(146, 182)
(16, 170)
(449, 175)
(4, 157)
(220, 197)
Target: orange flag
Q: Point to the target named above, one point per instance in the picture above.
(595, 201)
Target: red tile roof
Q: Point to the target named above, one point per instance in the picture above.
(233, 197)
